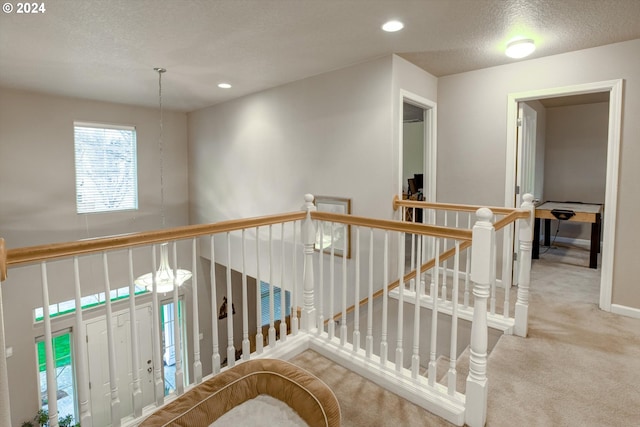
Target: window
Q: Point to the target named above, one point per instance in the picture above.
(69, 306)
(62, 359)
(277, 306)
(106, 168)
(168, 325)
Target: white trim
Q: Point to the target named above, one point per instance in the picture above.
(430, 140)
(623, 310)
(417, 391)
(98, 125)
(494, 321)
(614, 87)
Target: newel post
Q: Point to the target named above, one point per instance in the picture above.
(525, 237)
(482, 260)
(308, 321)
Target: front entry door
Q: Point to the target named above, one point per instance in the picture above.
(98, 363)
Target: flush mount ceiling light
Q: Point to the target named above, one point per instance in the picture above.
(224, 85)
(520, 48)
(392, 26)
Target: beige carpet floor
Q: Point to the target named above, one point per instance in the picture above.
(579, 366)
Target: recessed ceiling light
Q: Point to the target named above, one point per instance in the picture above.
(392, 26)
(224, 85)
(520, 48)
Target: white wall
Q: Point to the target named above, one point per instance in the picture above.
(472, 136)
(328, 135)
(576, 159)
(37, 206)
(37, 175)
(336, 134)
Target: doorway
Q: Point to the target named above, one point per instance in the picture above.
(417, 146)
(614, 90)
(98, 363)
(417, 161)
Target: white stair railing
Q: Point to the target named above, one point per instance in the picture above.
(401, 326)
(459, 216)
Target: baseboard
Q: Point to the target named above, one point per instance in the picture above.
(623, 310)
(582, 243)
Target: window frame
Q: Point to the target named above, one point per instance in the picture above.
(134, 160)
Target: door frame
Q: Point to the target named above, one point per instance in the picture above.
(430, 145)
(614, 87)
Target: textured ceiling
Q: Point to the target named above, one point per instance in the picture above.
(106, 50)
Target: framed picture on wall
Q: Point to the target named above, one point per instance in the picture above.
(333, 235)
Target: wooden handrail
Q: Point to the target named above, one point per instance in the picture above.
(397, 202)
(411, 275)
(82, 247)
(512, 217)
(407, 227)
(25, 255)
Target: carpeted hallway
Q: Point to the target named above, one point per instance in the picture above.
(579, 366)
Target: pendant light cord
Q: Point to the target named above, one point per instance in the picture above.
(161, 147)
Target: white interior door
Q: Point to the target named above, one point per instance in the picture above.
(525, 165)
(98, 363)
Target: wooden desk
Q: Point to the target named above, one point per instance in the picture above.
(584, 212)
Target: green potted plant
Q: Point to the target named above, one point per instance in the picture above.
(42, 419)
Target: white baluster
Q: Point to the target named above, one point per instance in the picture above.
(481, 271)
(400, 321)
(492, 303)
(246, 348)
(294, 282)
(113, 372)
(197, 363)
(506, 284)
(272, 328)
(415, 357)
(231, 350)
(5, 401)
(356, 314)
(343, 319)
(308, 238)
(384, 348)
(80, 354)
(524, 270)
(467, 269)
(177, 329)
(369, 338)
(412, 282)
(215, 357)
(453, 352)
(446, 262)
(135, 351)
(434, 319)
(52, 383)
(332, 263)
(424, 241)
(320, 282)
(259, 336)
(283, 301)
(158, 381)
